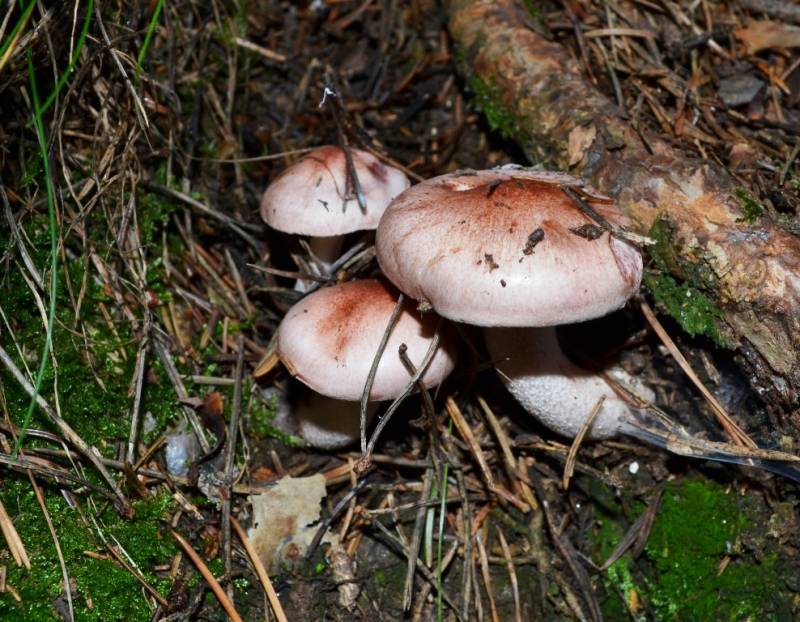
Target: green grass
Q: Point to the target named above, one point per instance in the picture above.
(151, 29)
(62, 80)
(26, 14)
(44, 359)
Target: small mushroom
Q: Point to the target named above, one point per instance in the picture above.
(312, 197)
(509, 248)
(329, 339)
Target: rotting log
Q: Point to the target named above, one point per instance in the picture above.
(747, 265)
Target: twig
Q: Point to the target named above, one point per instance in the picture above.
(512, 574)
(138, 374)
(736, 434)
(115, 55)
(416, 539)
(230, 457)
(210, 579)
(258, 49)
(363, 464)
(373, 370)
(59, 553)
(177, 383)
(487, 580)
(421, 568)
(13, 541)
(23, 250)
(615, 230)
(569, 465)
(240, 228)
(274, 602)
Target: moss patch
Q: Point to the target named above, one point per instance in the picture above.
(697, 530)
(486, 99)
(103, 591)
(700, 562)
(677, 288)
(752, 210)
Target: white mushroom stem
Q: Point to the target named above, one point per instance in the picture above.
(327, 423)
(553, 389)
(326, 251)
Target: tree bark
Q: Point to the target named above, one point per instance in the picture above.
(745, 263)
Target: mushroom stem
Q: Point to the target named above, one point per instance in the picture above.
(326, 251)
(555, 390)
(327, 423)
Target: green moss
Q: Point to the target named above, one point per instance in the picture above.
(104, 590)
(698, 525)
(260, 416)
(695, 312)
(532, 9)
(752, 210)
(486, 98)
(706, 558)
(680, 288)
(95, 364)
(622, 591)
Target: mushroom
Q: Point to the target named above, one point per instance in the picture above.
(328, 341)
(510, 248)
(312, 198)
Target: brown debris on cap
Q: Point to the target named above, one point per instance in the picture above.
(311, 197)
(507, 247)
(328, 340)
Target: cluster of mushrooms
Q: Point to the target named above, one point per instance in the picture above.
(513, 250)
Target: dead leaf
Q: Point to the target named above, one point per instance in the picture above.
(580, 139)
(283, 518)
(763, 34)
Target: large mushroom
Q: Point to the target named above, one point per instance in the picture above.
(510, 248)
(328, 341)
(313, 197)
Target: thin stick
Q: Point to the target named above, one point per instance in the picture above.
(569, 466)
(512, 574)
(736, 434)
(64, 574)
(67, 431)
(416, 539)
(421, 567)
(363, 464)
(487, 580)
(239, 227)
(230, 457)
(469, 438)
(617, 231)
(210, 579)
(277, 609)
(13, 541)
(374, 370)
(177, 383)
(141, 357)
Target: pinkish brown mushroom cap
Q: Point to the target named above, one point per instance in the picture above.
(507, 247)
(311, 196)
(328, 340)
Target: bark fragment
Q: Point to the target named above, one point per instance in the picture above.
(751, 270)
